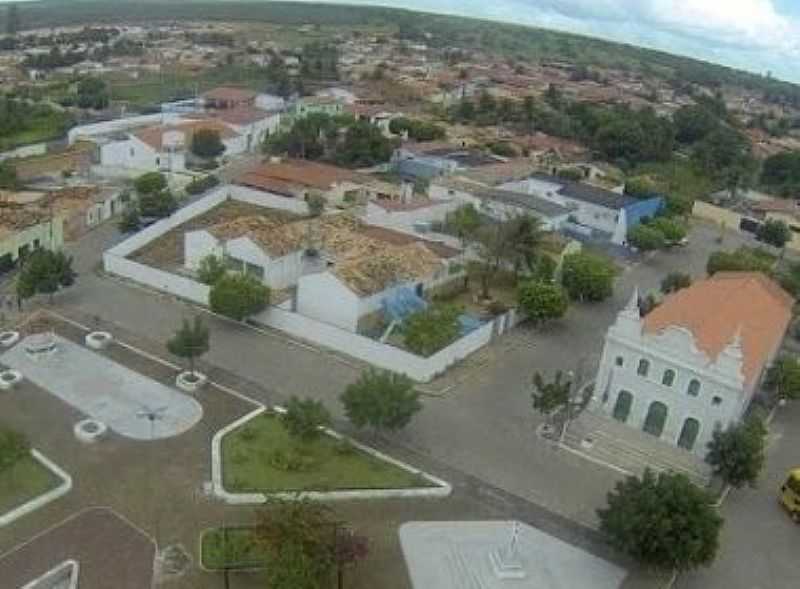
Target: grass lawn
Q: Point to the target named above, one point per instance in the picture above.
(24, 481)
(247, 454)
(237, 549)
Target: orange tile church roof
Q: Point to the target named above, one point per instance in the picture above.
(715, 310)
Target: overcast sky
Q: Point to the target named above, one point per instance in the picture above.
(757, 35)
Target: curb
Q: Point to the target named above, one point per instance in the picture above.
(43, 499)
(442, 489)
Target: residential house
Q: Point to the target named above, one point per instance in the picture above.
(428, 160)
(342, 269)
(165, 147)
(596, 213)
(229, 97)
(252, 123)
(502, 204)
(327, 105)
(694, 363)
(294, 178)
(25, 227)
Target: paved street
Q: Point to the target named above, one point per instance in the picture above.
(759, 540)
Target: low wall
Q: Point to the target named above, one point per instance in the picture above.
(709, 212)
(363, 348)
(373, 352)
(266, 199)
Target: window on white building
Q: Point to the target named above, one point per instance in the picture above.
(694, 388)
(668, 378)
(622, 407)
(691, 427)
(656, 418)
(644, 367)
(716, 401)
(619, 361)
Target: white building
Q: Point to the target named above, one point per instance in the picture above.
(694, 363)
(164, 147)
(595, 212)
(502, 204)
(342, 269)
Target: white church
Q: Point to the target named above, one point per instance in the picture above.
(695, 362)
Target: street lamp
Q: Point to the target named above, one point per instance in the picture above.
(152, 415)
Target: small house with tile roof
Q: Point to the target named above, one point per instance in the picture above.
(695, 362)
(341, 269)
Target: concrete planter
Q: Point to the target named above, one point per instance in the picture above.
(98, 340)
(8, 338)
(89, 431)
(9, 379)
(190, 382)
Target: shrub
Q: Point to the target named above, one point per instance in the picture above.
(672, 229)
(150, 183)
(200, 185)
(211, 269)
(744, 259)
(430, 330)
(238, 296)
(646, 238)
(304, 418)
(675, 281)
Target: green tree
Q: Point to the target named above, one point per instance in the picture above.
(640, 187)
(675, 281)
(542, 301)
(207, 143)
(464, 221)
(588, 277)
(382, 400)
(316, 204)
(238, 296)
(693, 123)
(298, 543)
(130, 220)
(671, 228)
(44, 272)
(190, 341)
(783, 378)
(304, 418)
(428, 331)
(662, 521)
(211, 269)
(93, 93)
(8, 176)
(157, 204)
(781, 173)
(774, 232)
(549, 397)
(150, 183)
(646, 238)
(736, 454)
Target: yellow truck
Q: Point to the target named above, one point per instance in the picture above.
(790, 494)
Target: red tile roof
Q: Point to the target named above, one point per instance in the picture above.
(242, 115)
(715, 310)
(229, 94)
(297, 173)
(154, 136)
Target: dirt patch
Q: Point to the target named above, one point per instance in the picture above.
(166, 252)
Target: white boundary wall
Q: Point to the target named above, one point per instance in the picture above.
(363, 348)
(43, 499)
(441, 488)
